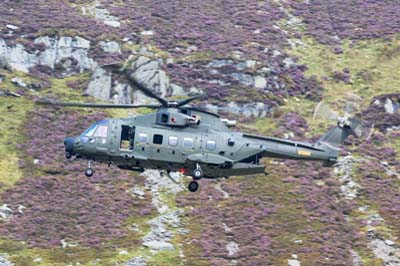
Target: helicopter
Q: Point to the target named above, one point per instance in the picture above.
(189, 140)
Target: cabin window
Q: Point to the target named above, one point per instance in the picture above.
(210, 145)
(143, 137)
(188, 142)
(231, 142)
(157, 139)
(164, 118)
(173, 141)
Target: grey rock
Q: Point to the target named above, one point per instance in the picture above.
(232, 248)
(4, 261)
(110, 47)
(294, 263)
(4, 62)
(122, 93)
(177, 90)
(158, 245)
(219, 63)
(101, 14)
(12, 27)
(389, 254)
(2, 93)
(257, 109)
(245, 79)
(260, 82)
(56, 50)
(100, 84)
(5, 212)
(276, 53)
(389, 108)
(147, 33)
(138, 261)
(289, 62)
(150, 73)
(19, 82)
(2, 77)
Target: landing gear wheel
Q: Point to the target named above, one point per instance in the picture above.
(193, 186)
(197, 173)
(89, 172)
(68, 155)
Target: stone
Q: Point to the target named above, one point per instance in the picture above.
(138, 192)
(123, 252)
(232, 248)
(389, 108)
(147, 33)
(4, 62)
(4, 260)
(110, 47)
(219, 63)
(289, 62)
(177, 90)
(100, 84)
(36, 161)
(19, 82)
(390, 242)
(158, 245)
(260, 82)
(122, 94)
(299, 241)
(12, 27)
(21, 209)
(294, 263)
(5, 212)
(243, 78)
(138, 261)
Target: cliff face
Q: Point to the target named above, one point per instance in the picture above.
(268, 64)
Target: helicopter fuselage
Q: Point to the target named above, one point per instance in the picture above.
(209, 145)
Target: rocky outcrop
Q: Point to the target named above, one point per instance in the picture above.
(64, 52)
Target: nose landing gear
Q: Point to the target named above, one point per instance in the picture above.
(89, 170)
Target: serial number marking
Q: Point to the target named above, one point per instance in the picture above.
(304, 153)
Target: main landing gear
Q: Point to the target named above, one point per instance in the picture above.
(197, 174)
(89, 170)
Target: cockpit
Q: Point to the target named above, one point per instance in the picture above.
(97, 130)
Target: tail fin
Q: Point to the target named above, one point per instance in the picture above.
(337, 135)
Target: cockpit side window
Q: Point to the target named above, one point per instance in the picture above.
(90, 131)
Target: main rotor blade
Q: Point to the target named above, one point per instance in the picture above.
(95, 105)
(188, 100)
(148, 92)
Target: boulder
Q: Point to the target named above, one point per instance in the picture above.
(110, 47)
(19, 82)
(138, 261)
(100, 84)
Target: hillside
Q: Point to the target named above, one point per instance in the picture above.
(267, 64)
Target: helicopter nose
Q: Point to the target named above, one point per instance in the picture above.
(69, 147)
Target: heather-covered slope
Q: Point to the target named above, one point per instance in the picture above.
(268, 64)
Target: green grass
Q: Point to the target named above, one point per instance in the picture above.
(374, 67)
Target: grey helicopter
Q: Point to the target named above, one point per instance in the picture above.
(190, 140)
